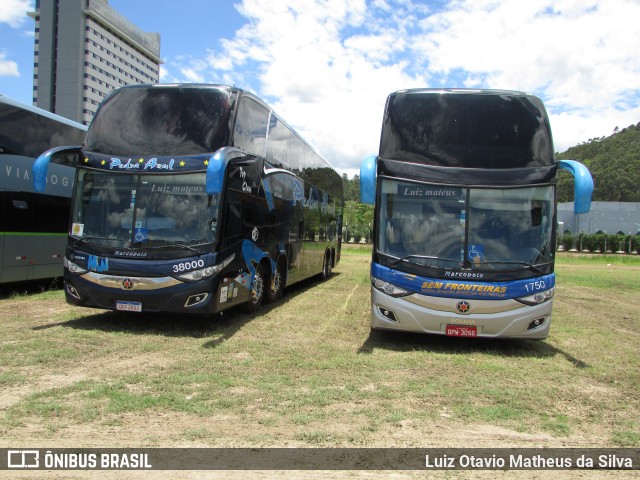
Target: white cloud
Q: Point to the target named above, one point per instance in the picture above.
(570, 129)
(191, 75)
(14, 12)
(8, 68)
(579, 56)
(165, 73)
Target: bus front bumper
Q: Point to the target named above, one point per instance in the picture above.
(493, 318)
(146, 294)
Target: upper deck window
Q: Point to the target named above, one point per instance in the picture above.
(250, 133)
(157, 121)
(473, 130)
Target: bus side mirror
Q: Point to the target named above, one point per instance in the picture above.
(63, 155)
(217, 168)
(582, 185)
(368, 180)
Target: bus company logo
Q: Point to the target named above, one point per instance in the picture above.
(98, 264)
(23, 459)
(141, 164)
(463, 306)
(127, 284)
(298, 191)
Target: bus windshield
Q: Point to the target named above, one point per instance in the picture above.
(146, 211)
(161, 121)
(478, 228)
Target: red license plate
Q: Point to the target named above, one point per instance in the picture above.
(461, 331)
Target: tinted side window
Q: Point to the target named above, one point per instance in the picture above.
(18, 209)
(29, 212)
(297, 155)
(50, 214)
(250, 133)
(312, 160)
(233, 221)
(278, 143)
(23, 132)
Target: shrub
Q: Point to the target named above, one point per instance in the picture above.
(600, 242)
(566, 241)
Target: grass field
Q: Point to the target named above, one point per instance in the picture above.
(309, 372)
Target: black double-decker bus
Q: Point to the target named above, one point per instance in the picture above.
(196, 198)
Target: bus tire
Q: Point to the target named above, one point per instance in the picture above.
(256, 295)
(276, 285)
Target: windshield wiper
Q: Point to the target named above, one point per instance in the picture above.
(169, 245)
(525, 265)
(86, 239)
(78, 242)
(421, 257)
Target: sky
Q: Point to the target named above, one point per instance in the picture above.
(327, 66)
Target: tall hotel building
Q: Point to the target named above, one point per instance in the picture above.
(83, 50)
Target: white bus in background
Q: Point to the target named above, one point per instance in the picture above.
(33, 226)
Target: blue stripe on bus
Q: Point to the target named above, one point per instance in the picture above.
(450, 288)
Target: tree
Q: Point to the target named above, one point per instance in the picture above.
(357, 220)
(351, 188)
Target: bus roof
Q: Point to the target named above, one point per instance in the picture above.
(462, 91)
(39, 111)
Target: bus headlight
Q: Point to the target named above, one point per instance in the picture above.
(537, 298)
(388, 288)
(74, 268)
(206, 272)
(196, 275)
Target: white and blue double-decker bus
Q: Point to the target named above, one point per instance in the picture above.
(195, 198)
(464, 188)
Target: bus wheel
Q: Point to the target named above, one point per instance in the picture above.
(276, 285)
(326, 267)
(257, 291)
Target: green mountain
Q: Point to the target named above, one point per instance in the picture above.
(614, 163)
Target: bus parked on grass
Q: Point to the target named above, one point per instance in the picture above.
(465, 214)
(33, 226)
(194, 199)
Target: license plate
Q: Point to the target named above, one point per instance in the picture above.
(461, 331)
(129, 306)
